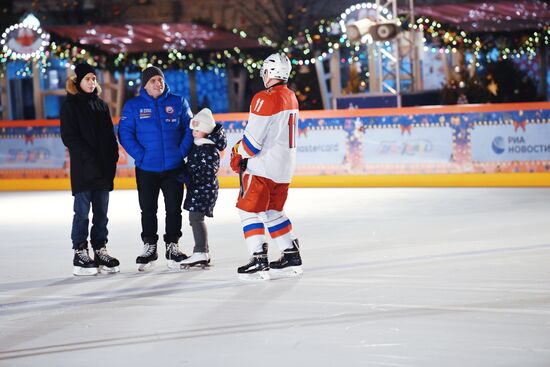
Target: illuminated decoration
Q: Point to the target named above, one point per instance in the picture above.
(364, 12)
(378, 31)
(187, 47)
(493, 88)
(25, 40)
(151, 38)
(306, 47)
(488, 16)
(315, 44)
(311, 46)
(448, 40)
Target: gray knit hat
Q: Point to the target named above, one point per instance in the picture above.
(150, 72)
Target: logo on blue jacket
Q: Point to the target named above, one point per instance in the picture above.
(144, 113)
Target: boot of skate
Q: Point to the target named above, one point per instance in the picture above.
(147, 259)
(174, 255)
(82, 262)
(257, 268)
(106, 263)
(290, 263)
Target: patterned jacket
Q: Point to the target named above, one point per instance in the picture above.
(203, 163)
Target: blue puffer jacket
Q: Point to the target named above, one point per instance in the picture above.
(155, 132)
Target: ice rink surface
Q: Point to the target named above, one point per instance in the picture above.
(392, 277)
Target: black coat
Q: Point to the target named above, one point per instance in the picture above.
(87, 130)
(203, 163)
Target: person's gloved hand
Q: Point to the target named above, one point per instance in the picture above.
(235, 161)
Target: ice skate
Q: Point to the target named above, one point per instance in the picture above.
(174, 255)
(82, 262)
(105, 262)
(147, 259)
(290, 263)
(198, 259)
(257, 268)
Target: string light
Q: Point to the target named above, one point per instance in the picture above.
(305, 48)
(24, 41)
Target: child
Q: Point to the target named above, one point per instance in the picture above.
(202, 167)
(87, 131)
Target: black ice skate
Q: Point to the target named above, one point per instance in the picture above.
(106, 262)
(147, 259)
(290, 263)
(174, 255)
(257, 268)
(198, 259)
(82, 262)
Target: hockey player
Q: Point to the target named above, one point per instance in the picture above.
(265, 158)
(154, 130)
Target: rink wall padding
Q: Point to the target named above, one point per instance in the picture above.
(504, 145)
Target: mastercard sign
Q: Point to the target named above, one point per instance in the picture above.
(25, 40)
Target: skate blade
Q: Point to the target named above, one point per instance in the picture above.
(145, 267)
(108, 270)
(79, 271)
(173, 265)
(259, 276)
(289, 272)
(203, 264)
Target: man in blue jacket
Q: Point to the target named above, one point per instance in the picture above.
(154, 130)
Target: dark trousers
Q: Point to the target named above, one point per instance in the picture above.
(99, 201)
(149, 185)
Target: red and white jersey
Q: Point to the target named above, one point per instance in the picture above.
(269, 139)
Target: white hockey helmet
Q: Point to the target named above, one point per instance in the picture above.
(275, 66)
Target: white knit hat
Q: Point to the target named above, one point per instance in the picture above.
(203, 121)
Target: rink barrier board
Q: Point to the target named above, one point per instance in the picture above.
(330, 174)
(235, 116)
(445, 180)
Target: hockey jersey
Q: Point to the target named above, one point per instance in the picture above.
(269, 139)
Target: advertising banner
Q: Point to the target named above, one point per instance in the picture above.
(483, 139)
(401, 146)
(503, 143)
(32, 153)
(327, 146)
(315, 146)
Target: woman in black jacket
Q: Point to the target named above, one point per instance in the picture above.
(87, 131)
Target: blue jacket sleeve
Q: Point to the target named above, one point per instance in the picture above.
(187, 141)
(127, 134)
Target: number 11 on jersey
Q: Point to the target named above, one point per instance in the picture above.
(292, 126)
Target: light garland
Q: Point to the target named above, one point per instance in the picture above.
(309, 47)
(172, 58)
(306, 48)
(446, 41)
(24, 41)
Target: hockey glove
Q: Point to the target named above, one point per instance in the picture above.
(236, 158)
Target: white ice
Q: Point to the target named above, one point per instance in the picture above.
(392, 277)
